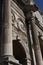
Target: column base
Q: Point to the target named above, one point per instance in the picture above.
(9, 60)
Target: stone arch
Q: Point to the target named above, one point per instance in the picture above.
(19, 52)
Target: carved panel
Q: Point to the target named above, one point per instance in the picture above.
(13, 17)
(17, 22)
(14, 22)
(18, 25)
(21, 25)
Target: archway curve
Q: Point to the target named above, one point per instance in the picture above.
(19, 52)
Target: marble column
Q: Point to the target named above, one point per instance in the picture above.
(7, 45)
(29, 41)
(7, 29)
(34, 60)
(36, 42)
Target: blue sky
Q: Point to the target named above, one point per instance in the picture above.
(39, 3)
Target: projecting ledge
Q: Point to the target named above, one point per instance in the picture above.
(10, 60)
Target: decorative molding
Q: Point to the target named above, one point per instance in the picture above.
(18, 22)
(13, 17)
(21, 26)
(15, 7)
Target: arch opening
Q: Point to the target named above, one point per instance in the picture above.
(19, 52)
